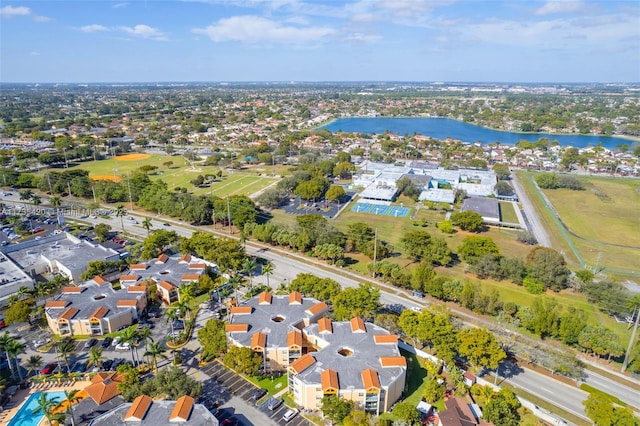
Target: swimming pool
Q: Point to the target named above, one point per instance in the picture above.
(25, 416)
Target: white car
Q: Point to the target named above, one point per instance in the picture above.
(116, 340)
(123, 347)
(290, 414)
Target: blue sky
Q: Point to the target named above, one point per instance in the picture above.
(320, 40)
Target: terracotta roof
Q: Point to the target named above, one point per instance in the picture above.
(357, 325)
(302, 363)
(138, 266)
(457, 412)
(167, 285)
(236, 328)
(182, 410)
(138, 409)
(185, 257)
(265, 298)
(162, 258)
(294, 338)
(73, 290)
(99, 280)
(68, 313)
(56, 303)
(103, 387)
(126, 303)
(197, 266)
(241, 310)
(370, 379)
(129, 278)
(190, 277)
(393, 361)
(137, 289)
(100, 312)
(317, 308)
(329, 380)
(295, 297)
(382, 339)
(324, 325)
(258, 341)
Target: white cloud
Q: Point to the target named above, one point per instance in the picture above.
(256, 29)
(42, 19)
(145, 31)
(93, 28)
(119, 5)
(363, 37)
(554, 6)
(35, 53)
(10, 11)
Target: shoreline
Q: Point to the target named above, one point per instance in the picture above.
(632, 139)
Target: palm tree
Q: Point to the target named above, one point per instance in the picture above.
(36, 200)
(6, 341)
(64, 351)
(24, 292)
(170, 316)
(146, 224)
(130, 335)
(235, 281)
(95, 357)
(267, 269)
(45, 406)
(71, 396)
(248, 265)
(184, 308)
(34, 362)
(144, 334)
(121, 212)
(26, 195)
(155, 351)
(14, 349)
(55, 201)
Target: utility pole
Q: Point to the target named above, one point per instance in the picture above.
(229, 214)
(636, 311)
(93, 189)
(129, 185)
(375, 252)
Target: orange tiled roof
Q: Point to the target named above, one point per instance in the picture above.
(265, 298)
(197, 266)
(139, 408)
(294, 338)
(103, 387)
(185, 257)
(167, 285)
(99, 280)
(126, 303)
(329, 380)
(325, 326)
(258, 341)
(302, 363)
(295, 297)
(241, 310)
(382, 339)
(138, 266)
(190, 277)
(236, 328)
(317, 308)
(72, 290)
(393, 361)
(137, 289)
(56, 303)
(182, 410)
(162, 258)
(100, 312)
(68, 313)
(357, 325)
(370, 379)
(129, 277)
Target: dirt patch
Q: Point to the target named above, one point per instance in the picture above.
(106, 177)
(132, 157)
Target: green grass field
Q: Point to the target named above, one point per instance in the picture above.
(606, 213)
(507, 213)
(180, 173)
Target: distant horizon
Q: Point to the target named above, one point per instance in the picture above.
(71, 41)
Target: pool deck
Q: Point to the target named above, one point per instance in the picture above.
(23, 395)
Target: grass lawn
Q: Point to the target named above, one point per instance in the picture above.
(507, 213)
(273, 386)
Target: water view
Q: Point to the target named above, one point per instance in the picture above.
(443, 128)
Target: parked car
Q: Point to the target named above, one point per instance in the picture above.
(290, 414)
(123, 346)
(107, 364)
(80, 367)
(116, 340)
(106, 342)
(273, 403)
(178, 325)
(258, 394)
(49, 368)
(117, 362)
(92, 341)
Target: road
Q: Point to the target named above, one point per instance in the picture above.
(533, 220)
(288, 265)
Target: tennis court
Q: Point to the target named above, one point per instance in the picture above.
(380, 209)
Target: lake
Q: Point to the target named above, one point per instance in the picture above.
(443, 128)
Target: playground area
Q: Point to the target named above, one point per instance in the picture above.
(379, 209)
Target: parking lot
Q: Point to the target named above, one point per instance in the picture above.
(243, 389)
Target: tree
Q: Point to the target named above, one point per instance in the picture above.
(243, 360)
(474, 247)
(156, 350)
(71, 397)
(55, 201)
(248, 265)
(343, 170)
(130, 335)
(363, 301)
(433, 391)
(45, 406)
(121, 212)
(34, 363)
(146, 224)
(13, 350)
(502, 171)
(503, 188)
(481, 348)
(445, 226)
(157, 242)
(335, 408)
(358, 418)
(602, 412)
(267, 270)
(95, 357)
(6, 341)
(417, 243)
(468, 221)
(407, 412)
(335, 192)
(64, 350)
(102, 231)
(19, 311)
(213, 339)
(502, 408)
(548, 266)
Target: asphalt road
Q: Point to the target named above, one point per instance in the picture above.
(533, 221)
